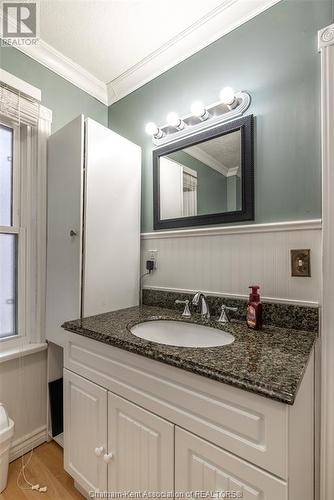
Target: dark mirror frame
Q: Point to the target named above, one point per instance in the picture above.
(245, 125)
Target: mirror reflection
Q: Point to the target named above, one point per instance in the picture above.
(202, 179)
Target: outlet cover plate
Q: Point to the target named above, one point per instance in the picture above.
(301, 263)
(152, 255)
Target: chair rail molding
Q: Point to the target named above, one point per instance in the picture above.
(326, 48)
(267, 227)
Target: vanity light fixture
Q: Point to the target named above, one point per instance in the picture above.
(232, 104)
(227, 96)
(175, 121)
(153, 130)
(199, 110)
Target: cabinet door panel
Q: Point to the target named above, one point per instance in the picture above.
(85, 429)
(142, 445)
(65, 205)
(201, 466)
(112, 221)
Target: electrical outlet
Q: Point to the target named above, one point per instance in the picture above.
(301, 263)
(152, 255)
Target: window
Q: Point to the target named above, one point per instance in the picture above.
(9, 233)
(189, 192)
(24, 129)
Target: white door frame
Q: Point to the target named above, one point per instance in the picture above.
(326, 48)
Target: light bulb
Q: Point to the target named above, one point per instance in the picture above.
(198, 109)
(174, 121)
(151, 129)
(227, 96)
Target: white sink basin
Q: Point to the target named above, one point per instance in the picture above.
(179, 333)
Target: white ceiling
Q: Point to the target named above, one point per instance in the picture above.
(111, 47)
(107, 37)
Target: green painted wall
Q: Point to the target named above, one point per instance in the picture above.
(233, 193)
(211, 185)
(274, 56)
(64, 99)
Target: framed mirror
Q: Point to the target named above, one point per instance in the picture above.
(207, 178)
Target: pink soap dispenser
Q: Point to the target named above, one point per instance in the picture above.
(254, 309)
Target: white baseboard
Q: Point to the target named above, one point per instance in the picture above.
(81, 490)
(27, 443)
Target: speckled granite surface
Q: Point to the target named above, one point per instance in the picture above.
(275, 314)
(270, 362)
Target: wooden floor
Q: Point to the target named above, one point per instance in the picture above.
(45, 468)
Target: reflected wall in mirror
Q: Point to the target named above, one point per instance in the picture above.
(202, 179)
(205, 179)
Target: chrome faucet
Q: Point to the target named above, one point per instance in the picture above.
(199, 297)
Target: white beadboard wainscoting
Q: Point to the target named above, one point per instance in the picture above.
(23, 386)
(226, 260)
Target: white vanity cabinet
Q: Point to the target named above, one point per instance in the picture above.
(113, 444)
(224, 438)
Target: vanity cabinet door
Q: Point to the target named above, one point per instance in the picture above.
(201, 466)
(141, 448)
(85, 432)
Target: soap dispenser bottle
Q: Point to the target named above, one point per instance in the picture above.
(254, 309)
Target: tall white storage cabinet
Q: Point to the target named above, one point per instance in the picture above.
(93, 223)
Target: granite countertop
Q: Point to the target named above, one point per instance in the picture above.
(270, 362)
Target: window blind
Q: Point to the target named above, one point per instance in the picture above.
(18, 107)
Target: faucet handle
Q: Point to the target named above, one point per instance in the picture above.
(224, 316)
(228, 308)
(186, 313)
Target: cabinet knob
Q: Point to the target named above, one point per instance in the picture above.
(107, 457)
(73, 233)
(99, 451)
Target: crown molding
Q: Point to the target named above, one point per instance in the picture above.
(66, 68)
(234, 171)
(229, 15)
(63, 66)
(197, 153)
